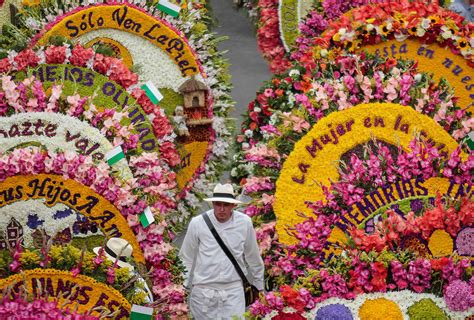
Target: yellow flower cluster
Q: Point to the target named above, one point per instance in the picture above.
(380, 309)
(192, 155)
(315, 156)
(57, 283)
(441, 244)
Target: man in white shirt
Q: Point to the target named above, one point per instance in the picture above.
(216, 289)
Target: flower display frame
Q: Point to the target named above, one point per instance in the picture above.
(51, 279)
(426, 27)
(111, 68)
(191, 24)
(154, 241)
(146, 167)
(354, 273)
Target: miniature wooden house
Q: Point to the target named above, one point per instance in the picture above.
(14, 232)
(195, 109)
(194, 93)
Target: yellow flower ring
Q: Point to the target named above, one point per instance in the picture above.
(314, 157)
(433, 57)
(124, 18)
(55, 189)
(88, 294)
(135, 21)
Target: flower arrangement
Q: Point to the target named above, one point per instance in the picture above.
(370, 24)
(154, 241)
(291, 103)
(192, 27)
(359, 271)
(390, 232)
(79, 56)
(157, 182)
(51, 259)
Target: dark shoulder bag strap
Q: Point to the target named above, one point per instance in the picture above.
(226, 250)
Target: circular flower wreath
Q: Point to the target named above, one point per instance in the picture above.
(154, 241)
(53, 260)
(382, 267)
(287, 107)
(111, 67)
(192, 24)
(155, 183)
(268, 33)
(372, 24)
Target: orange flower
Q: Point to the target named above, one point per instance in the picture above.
(306, 86)
(292, 297)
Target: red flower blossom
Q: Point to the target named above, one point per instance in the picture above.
(5, 65)
(292, 298)
(55, 55)
(26, 58)
(80, 55)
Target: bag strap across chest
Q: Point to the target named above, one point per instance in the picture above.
(225, 249)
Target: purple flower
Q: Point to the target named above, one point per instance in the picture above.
(465, 242)
(33, 221)
(334, 312)
(458, 296)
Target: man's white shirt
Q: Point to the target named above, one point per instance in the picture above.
(212, 266)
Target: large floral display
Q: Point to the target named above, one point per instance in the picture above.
(438, 39)
(354, 164)
(111, 127)
(177, 55)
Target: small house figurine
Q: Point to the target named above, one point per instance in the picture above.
(194, 93)
(196, 111)
(14, 232)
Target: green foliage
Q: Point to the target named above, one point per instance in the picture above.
(58, 40)
(426, 309)
(171, 99)
(105, 49)
(90, 242)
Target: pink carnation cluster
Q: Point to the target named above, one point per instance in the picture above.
(380, 168)
(38, 309)
(70, 165)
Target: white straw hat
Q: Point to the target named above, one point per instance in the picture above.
(223, 193)
(117, 248)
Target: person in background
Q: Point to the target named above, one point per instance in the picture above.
(119, 250)
(216, 288)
